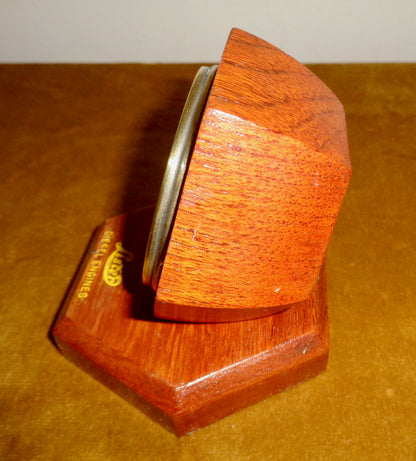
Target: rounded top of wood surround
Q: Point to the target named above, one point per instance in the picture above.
(265, 182)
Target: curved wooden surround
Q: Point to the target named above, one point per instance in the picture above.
(268, 173)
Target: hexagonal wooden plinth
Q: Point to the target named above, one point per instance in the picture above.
(184, 375)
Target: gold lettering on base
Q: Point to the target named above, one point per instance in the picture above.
(113, 269)
(89, 279)
(95, 264)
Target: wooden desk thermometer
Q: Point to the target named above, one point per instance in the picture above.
(232, 307)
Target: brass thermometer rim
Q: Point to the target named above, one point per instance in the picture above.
(174, 175)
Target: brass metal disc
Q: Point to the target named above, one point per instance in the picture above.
(174, 175)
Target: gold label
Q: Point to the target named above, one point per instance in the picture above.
(89, 277)
(95, 265)
(113, 270)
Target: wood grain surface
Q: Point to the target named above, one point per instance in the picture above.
(264, 186)
(183, 375)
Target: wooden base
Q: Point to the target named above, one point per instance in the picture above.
(184, 375)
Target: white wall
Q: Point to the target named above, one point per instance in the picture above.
(196, 30)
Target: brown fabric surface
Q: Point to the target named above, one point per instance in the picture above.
(80, 143)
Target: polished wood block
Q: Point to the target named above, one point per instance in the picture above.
(184, 375)
(265, 183)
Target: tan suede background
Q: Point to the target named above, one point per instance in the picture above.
(81, 143)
